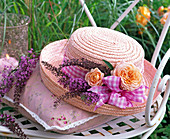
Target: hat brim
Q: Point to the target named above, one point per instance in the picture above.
(53, 53)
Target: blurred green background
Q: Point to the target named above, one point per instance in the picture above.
(53, 20)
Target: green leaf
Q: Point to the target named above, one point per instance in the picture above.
(164, 137)
(15, 7)
(164, 121)
(49, 24)
(108, 64)
(5, 109)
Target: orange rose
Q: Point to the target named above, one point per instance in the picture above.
(131, 77)
(142, 15)
(94, 77)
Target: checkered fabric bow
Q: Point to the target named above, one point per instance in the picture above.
(113, 95)
(111, 92)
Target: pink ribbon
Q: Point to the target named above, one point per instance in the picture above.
(111, 92)
(113, 95)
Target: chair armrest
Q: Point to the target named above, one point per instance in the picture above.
(160, 41)
(161, 88)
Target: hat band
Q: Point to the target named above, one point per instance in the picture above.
(74, 71)
(110, 93)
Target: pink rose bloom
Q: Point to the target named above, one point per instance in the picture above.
(94, 77)
(131, 77)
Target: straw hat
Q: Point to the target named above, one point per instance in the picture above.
(96, 44)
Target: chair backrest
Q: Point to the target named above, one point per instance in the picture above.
(153, 62)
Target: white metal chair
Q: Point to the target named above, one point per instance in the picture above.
(120, 127)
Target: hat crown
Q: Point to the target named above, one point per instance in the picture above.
(96, 43)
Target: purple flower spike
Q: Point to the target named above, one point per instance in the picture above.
(89, 97)
(22, 75)
(78, 84)
(8, 121)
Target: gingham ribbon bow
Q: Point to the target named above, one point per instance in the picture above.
(113, 95)
(111, 92)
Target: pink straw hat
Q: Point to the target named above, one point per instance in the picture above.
(99, 46)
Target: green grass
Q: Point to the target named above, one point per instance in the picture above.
(58, 19)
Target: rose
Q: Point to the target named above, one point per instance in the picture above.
(131, 77)
(94, 77)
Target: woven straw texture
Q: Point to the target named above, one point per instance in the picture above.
(95, 44)
(131, 51)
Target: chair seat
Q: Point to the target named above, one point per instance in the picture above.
(121, 127)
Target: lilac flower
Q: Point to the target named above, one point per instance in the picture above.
(22, 75)
(84, 63)
(6, 82)
(66, 96)
(78, 84)
(17, 77)
(8, 121)
(89, 97)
